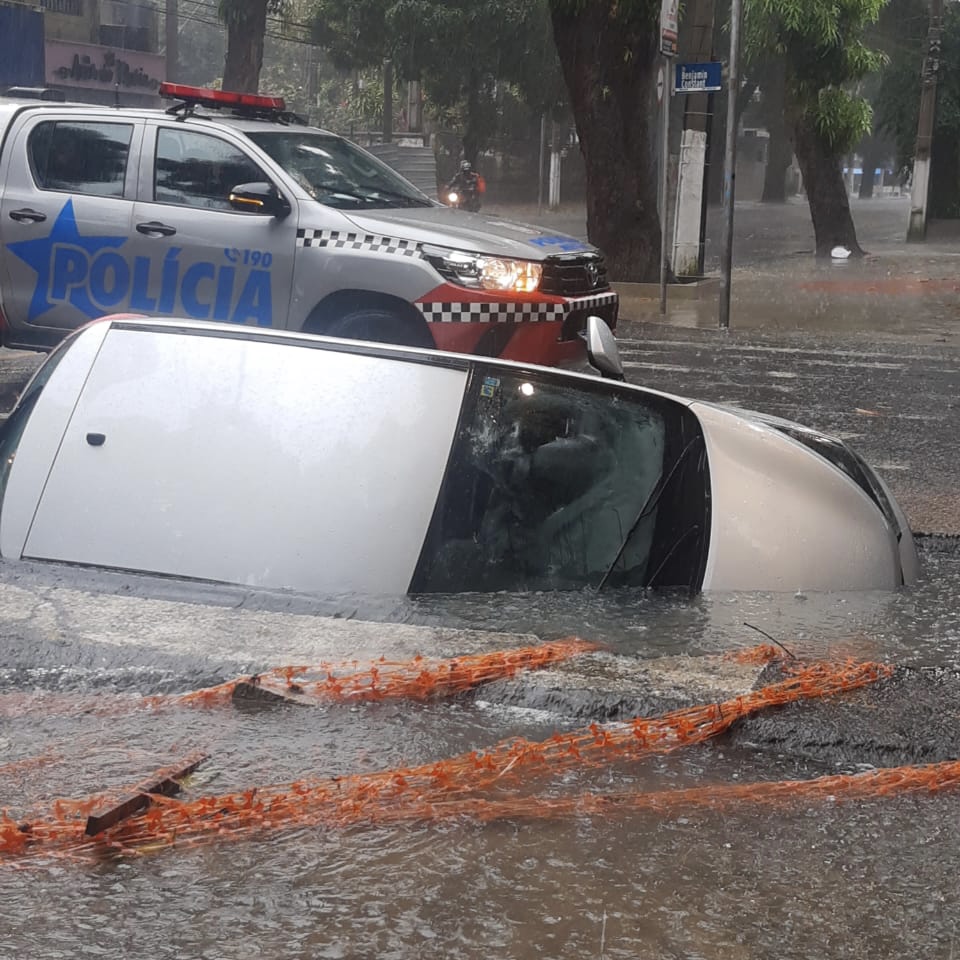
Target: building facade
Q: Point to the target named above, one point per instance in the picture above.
(95, 51)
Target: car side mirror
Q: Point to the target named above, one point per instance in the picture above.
(602, 350)
(259, 198)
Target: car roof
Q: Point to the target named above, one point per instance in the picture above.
(439, 358)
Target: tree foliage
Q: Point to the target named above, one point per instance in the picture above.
(822, 44)
(825, 54)
(899, 100)
(465, 52)
(898, 111)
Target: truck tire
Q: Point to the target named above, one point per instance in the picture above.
(380, 326)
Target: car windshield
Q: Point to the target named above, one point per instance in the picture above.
(552, 486)
(337, 173)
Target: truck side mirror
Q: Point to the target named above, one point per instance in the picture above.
(602, 351)
(259, 198)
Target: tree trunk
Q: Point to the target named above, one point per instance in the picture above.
(609, 66)
(826, 192)
(872, 157)
(472, 121)
(779, 155)
(944, 193)
(246, 24)
(779, 148)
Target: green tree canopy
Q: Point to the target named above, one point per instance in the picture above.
(822, 44)
(461, 50)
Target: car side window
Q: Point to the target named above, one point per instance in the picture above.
(198, 170)
(12, 428)
(80, 157)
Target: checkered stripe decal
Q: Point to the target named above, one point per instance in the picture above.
(505, 312)
(357, 241)
(490, 312)
(585, 303)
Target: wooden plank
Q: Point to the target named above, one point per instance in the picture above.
(255, 691)
(163, 783)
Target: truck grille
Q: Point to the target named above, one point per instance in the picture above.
(574, 275)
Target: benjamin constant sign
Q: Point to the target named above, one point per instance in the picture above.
(102, 68)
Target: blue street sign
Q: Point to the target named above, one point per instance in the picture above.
(698, 77)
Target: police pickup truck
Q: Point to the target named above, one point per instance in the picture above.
(226, 207)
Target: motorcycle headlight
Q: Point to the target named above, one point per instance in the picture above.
(483, 272)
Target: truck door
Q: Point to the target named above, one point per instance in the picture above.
(65, 213)
(202, 258)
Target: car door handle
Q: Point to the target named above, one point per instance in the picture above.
(26, 215)
(154, 227)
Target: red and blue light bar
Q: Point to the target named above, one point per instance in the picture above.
(220, 98)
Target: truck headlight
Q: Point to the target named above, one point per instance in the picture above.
(484, 272)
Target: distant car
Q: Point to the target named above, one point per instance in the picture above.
(283, 460)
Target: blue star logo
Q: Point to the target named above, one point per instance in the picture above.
(42, 256)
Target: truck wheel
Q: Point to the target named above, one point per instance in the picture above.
(380, 326)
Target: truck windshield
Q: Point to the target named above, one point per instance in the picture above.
(337, 173)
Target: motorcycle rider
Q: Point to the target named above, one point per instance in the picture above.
(468, 185)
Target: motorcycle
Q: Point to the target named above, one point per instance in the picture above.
(464, 197)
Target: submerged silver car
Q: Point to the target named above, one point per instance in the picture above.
(283, 460)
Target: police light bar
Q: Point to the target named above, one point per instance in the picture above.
(219, 98)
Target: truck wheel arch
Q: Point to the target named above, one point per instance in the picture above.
(367, 315)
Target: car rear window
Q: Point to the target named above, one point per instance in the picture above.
(554, 486)
(80, 157)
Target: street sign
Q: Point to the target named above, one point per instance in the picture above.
(660, 85)
(698, 77)
(668, 27)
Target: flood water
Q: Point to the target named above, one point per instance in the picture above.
(807, 878)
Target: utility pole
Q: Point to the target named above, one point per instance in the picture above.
(664, 182)
(691, 215)
(730, 164)
(387, 101)
(543, 145)
(917, 227)
(669, 23)
(172, 36)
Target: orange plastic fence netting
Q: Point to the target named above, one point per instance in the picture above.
(883, 782)
(440, 788)
(417, 679)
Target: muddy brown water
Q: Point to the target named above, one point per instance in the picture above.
(873, 878)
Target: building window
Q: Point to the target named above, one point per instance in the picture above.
(70, 8)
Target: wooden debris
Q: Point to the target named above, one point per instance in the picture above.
(255, 690)
(164, 783)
